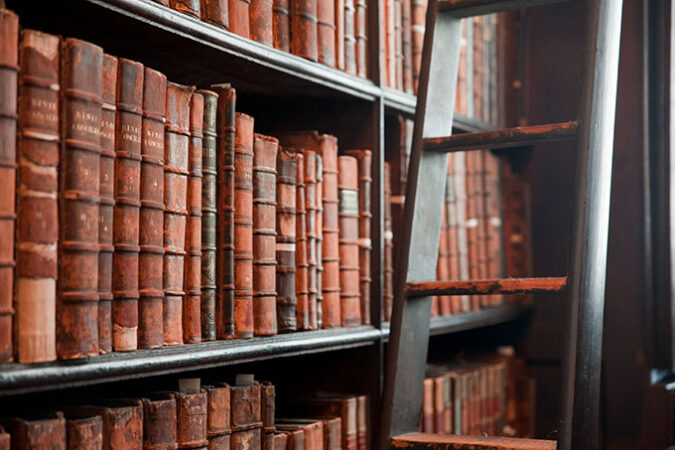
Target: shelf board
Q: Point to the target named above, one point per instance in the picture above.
(23, 378)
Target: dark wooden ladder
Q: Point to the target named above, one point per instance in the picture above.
(585, 281)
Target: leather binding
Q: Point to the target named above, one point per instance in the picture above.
(340, 34)
(225, 130)
(406, 43)
(264, 234)
(477, 23)
(493, 223)
(37, 186)
(398, 44)
(332, 433)
(402, 138)
(344, 407)
(390, 43)
(365, 158)
(280, 441)
(460, 95)
(246, 420)
(250, 439)
(106, 207)
(388, 271)
(304, 29)
(238, 17)
(301, 266)
(41, 430)
(295, 439)
(191, 413)
(215, 12)
(481, 237)
(122, 422)
(310, 230)
(268, 397)
(361, 39)
(189, 7)
(151, 219)
(362, 414)
(176, 155)
(350, 297)
(472, 223)
(126, 218)
(419, 12)
(84, 431)
(260, 13)
(319, 239)
(9, 65)
(459, 163)
(77, 309)
(438, 405)
(285, 240)
(5, 439)
(209, 214)
(382, 31)
(192, 328)
(159, 422)
(281, 27)
(349, 37)
(325, 14)
(218, 417)
(451, 232)
(162, 2)
(442, 263)
(312, 430)
(428, 406)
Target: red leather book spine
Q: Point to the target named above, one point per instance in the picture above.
(398, 43)
(238, 17)
(477, 23)
(427, 422)
(37, 227)
(325, 14)
(389, 44)
(225, 129)
(191, 414)
(159, 421)
(388, 283)
(218, 417)
(441, 264)
(360, 27)
(122, 423)
(472, 223)
(38, 431)
(419, 12)
(189, 7)
(460, 95)
(77, 309)
(176, 155)
(245, 407)
(332, 433)
(444, 246)
(438, 405)
(128, 134)
(350, 297)
(267, 400)
(106, 208)
(246, 439)
(215, 12)
(493, 223)
(280, 441)
(304, 29)
(481, 216)
(340, 34)
(84, 433)
(260, 14)
(349, 38)
(151, 218)
(319, 239)
(406, 42)
(362, 414)
(281, 27)
(9, 30)
(285, 241)
(452, 240)
(192, 328)
(209, 214)
(310, 230)
(243, 227)
(264, 234)
(301, 266)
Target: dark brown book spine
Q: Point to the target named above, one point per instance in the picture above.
(301, 266)
(209, 212)
(107, 206)
(245, 407)
(304, 29)
(349, 37)
(310, 229)
(243, 227)
(81, 79)
(189, 7)
(319, 239)
(191, 415)
(215, 12)
(176, 151)
(349, 240)
(406, 41)
(225, 130)
(122, 423)
(37, 227)
(325, 13)
(388, 272)
(159, 422)
(37, 432)
(281, 26)
(268, 398)
(238, 17)
(360, 27)
(151, 219)
(218, 417)
(419, 12)
(126, 219)
(192, 328)
(260, 13)
(264, 234)
(84, 433)
(285, 241)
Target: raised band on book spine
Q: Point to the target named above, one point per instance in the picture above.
(360, 27)
(37, 227)
(159, 422)
(325, 14)
(310, 229)
(215, 12)
(189, 7)
(281, 27)
(81, 80)
(304, 29)
(260, 13)
(285, 241)
(238, 17)
(301, 266)
(319, 239)
(349, 240)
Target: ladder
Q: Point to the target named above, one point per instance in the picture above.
(416, 270)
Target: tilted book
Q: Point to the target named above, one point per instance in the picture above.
(350, 297)
(285, 240)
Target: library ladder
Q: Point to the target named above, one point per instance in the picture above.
(585, 281)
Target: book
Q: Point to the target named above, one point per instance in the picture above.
(176, 155)
(362, 419)
(191, 417)
(427, 423)
(280, 441)
(5, 439)
(459, 160)
(209, 216)
(122, 422)
(312, 430)
(215, 12)
(237, 15)
(301, 265)
(160, 420)
(350, 297)
(281, 27)
(340, 34)
(325, 14)
(361, 43)
(304, 29)
(319, 239)
(285, 240)
(265, 150)
(332, 433)
(246, 416)
(77, 307)
(189, 7)
(344, 407)
(388, 270)
(472, 223)
(406, 45)
(84, 431)
(451, 235)
(349, 37)
(461, 90)
(260, 13)
(151, 218)
(37, 186)
(267, 400)
(38, 430)
(389, 45)
(218, 416)
(418, 14)
(477, 49)
(440, 304)
(493, 223)
(398, 44)
(310, 242)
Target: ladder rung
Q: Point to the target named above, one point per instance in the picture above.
(487, 287)
(504, 138)
(467, 8)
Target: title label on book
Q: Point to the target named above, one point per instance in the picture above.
(349, 201)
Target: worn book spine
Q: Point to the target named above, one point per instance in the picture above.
(176, 156)
(460, 92)
(406, 42)
(427, 422)
(189, 7)
(46, 430)
(265, 150)
(301, 266)
(451, 240)
(37, 227)
(260, 15)
(340, 34)
(350, 297)
(388, 271)
(319, 239)
(398, 43)
(360, 27)
(493, 223)
(442, 273)
(362, 415)
(280, 441)
(281, 26)
(325, 13)
(389, 44)
(160, 421)
(285, 241)
(332, 433)
(238, 17)
(151, 219)
(349, 37)
(312, 430)
(250, 439)
(304, 29)
(218, 417)
(209, 217)
(472, 224)
(481, 216)
(122, 422)
(460, 211)
(191, 417)
(215, 12)
(77, 309)
(267, 405)
(478, 67)
(84, 432)
(310, 230)
(245, 409)
(419, 12)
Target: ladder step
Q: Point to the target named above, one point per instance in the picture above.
(487, 287)
(504, 138)
(468, 8)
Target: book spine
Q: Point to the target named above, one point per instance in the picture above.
(218, 416)
(122, 423)
(209, 217)
(310, 230)
(238, 17)
(493, 223)
(388, 283)
(481, 215)
(285, 241)
(84, 433)
(191, 416)
(281, 27)
(151, 219)
(478, 67)
(319, 240)
(261, 18)
(215, 12)
(442, 264)
(301, 266)
(189, 7)
(246, 439)
(350, 297)
(390, 43)
(398, 44)
(362, 413)
(77, 309)
(280, 441)
(268, 397)
(340, 34)
(460, 210)
(159, 421)
(406, 43)
(325, 12)
(332, 434)
(419, 12)
(245, 407)
(452, 237)
(37, 227)
(349, 38)
(264, 234)
(460, 95)
(176, 155)
(304, 29)
(243, 227)
(192, 328)
(472, 224)
(360, 26)
(44, 431)
(438, 404)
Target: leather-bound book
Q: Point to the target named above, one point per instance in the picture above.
(310, 232)
(332, 433)
(246, 418)
(218, 417)
(472, 223)
(451, 239)
(340, 34)
(189, 7)
(191, 415)
(311, 428)
(361, 43)
(319, 239)
(238, 17)
(460, 95)
(192, 328)
(84, 431)
(398, 44)
(301, 266)
(459, 164)
(280, 441)
(9, 65)
(365, 158)
(477, 23)
(209, 214)
(285, 240)
(493, 223)
(37, 185)
(281, 26)
(126, 219)
(260, 16)
(122, 422)
(388, 271)
(304, 29)
(362, 417)
(442, 263)
(350, 37)
(389, 44)
(427, 423)
(344, 407)
(350, 297)
(264, 234)
(406, 42)
(77, 309)
(419, 13)
(225, 130)
(215, 12)
(151, 219)
(295, 439)
(5, 439)
(267, 402)
(40, 430)
(325, 14)
(160, 422)
(176, 155)
(481, 237)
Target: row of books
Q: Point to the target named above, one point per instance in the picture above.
(217, 416)
(332, 32)
(150, 214)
